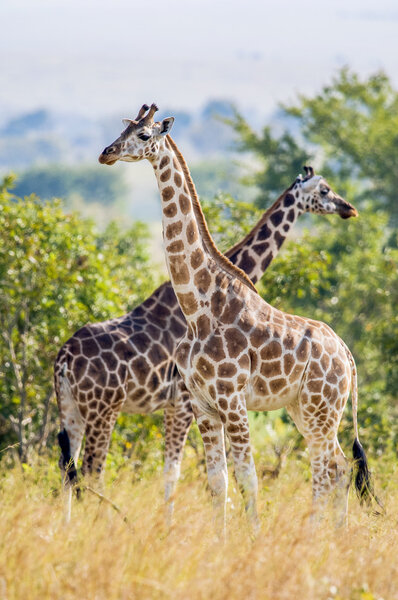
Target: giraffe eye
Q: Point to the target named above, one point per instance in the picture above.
(144, 137)
(325, 191)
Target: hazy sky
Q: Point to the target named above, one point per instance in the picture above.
(97, 56)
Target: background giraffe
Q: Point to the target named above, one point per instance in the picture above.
(129, 363)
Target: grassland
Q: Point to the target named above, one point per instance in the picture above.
(100, 556)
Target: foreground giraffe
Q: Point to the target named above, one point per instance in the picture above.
(128, 364)
(238, 352)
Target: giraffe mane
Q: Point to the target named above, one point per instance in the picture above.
(222, 260)
(258, 225)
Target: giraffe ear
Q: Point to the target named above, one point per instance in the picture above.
(311, 184)
(126, 122)
(166, 125)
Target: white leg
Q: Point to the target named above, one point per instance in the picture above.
(212, 432)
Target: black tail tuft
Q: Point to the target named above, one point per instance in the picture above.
(67, 461)
(363, 480)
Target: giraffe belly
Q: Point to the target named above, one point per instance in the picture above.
(143, 401)
(261, 397)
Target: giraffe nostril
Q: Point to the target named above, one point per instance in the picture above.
(109, 150)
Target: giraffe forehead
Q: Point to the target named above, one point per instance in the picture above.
(134, 128)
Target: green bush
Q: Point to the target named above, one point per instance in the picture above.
(57, 272)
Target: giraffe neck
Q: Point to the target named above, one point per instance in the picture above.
(192, 258)
(258, 249)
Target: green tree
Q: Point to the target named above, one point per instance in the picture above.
(355, 122)
(56, 272)
(280, 159)
(351, 127)
(229, 219)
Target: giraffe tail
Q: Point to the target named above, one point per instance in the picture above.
(66, 460)
(362, 475)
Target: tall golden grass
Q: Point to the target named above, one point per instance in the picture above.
(100, 556)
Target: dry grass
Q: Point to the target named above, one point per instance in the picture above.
(100, 557)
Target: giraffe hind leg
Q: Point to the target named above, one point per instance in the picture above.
(317, 418)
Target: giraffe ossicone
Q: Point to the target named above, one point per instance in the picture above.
(128, 364)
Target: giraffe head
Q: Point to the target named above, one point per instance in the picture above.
(316, 196)
(140, 139)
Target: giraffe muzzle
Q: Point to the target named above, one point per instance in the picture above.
(346, 210)
(107, 156)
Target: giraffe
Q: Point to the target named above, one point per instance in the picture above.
(128, 364)
(238, 352)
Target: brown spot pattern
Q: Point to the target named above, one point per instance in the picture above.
(185, 204)
(168, 193)
(192, 232)
(188, 303)
(173, 229)
(165, 175)
(202, 280)
(236, 342)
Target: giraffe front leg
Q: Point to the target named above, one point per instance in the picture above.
(234, 415)
(212, 432)
(177, 421)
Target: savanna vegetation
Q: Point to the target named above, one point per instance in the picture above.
(58, 271)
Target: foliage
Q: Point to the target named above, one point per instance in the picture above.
(350, 127)
(57, 272)
(355, 122)
(347, 275)
(280, 159)
(229, 219)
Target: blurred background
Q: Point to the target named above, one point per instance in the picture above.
(70, 70)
